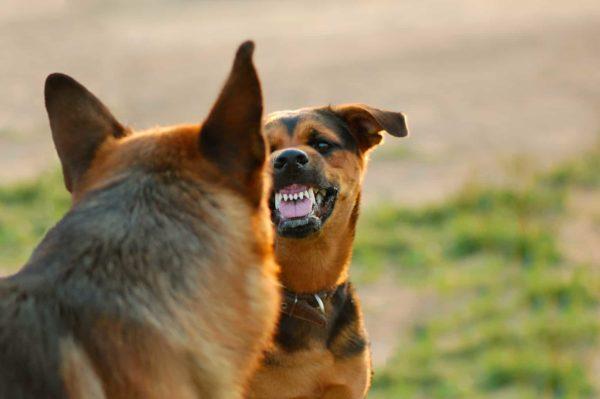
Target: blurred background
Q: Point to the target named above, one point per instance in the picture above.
(478, 251)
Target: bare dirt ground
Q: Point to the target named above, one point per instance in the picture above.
(482, 82)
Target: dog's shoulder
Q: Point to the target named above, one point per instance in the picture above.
(29, 355)
(348, 336)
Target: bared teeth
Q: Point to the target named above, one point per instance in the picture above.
(320, 197)
(311, 195)
(315, 196)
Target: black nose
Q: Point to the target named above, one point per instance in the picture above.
(291, 158)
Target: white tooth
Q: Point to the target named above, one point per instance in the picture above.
(285, 197)
(319, 198)
(301, 195)
(295, 196)
(311, 195)
(305, 194)
(277, 200)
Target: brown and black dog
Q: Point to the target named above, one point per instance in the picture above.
(319, 156)
(160, 281)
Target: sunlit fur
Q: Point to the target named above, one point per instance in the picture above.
(160, 281)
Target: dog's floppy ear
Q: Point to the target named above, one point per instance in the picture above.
(366, 123)
(79, 122)
(231, 137)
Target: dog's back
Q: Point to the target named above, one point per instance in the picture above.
(159, 281)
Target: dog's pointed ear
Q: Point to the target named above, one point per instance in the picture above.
(231, 137)
(80, 123)
(366, 123)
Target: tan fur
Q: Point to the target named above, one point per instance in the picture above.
(80, 378)
(311, 374)
(326, 255)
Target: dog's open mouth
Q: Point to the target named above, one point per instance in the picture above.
(299, 210)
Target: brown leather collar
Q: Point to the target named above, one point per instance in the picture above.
(308, 307)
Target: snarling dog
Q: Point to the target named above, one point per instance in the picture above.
(160, 281)
(318, 158)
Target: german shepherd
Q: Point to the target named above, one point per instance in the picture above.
(160, 280)
(318, 159)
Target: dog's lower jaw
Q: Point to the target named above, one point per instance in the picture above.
(299, 228)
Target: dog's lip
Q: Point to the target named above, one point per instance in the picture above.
(293, 189)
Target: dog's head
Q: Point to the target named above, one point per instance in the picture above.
(214, 172)
(227, 150)
(170, 207)
(318, 157)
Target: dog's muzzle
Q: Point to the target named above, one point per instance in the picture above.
(302, 199)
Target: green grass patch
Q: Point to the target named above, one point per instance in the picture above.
(494, 222)
(582, 172)
(515, 319)
(27, 211)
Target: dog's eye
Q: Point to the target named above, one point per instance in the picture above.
(322, 146)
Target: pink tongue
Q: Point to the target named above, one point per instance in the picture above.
(295, 209)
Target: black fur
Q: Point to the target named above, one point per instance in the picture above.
(353, 342)
(342, 317)
(290, 123)
(340, 127)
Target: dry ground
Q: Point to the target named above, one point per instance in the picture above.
(483, 82)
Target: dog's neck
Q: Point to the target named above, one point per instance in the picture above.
(318, 262)
(128, 233)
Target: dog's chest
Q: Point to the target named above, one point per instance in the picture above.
(310, 374)
(304, 373)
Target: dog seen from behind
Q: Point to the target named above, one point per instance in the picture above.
(160, 281)
(318, 159)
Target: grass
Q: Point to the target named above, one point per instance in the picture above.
(27, 211)
(514, 317)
